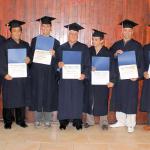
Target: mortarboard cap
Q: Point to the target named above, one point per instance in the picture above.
(46, 19)
(15, 23)
(74, 26)
(128, 23)
(97, 33)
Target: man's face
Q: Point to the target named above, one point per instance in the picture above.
(127, 33)
(16, 33)
(46, 29)
(73, 36)
(96, 41)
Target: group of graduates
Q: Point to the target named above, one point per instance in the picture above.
(44, 90)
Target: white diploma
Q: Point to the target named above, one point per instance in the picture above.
(17, 70)
(42, 57)
(128, 71)
(100, 77)
(71, 71)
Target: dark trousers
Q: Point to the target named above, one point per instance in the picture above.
(14, 114)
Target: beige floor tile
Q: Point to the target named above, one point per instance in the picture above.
(22, 146)
(144, 146)
(10, 136)
(72, 136)
(91, 147)
(101, 139)
(93, 138)
(123, 147)
(2, 145)
(46, 146)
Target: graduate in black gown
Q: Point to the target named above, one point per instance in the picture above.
(145, 97)
(99, 94)
(71, 90)
(125, 92)
(2, 40)
(14, 90)
(44, 85)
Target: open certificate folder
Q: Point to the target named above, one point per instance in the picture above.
(72, 65)
(101, 75)
(17, 67)
(42, 50)
(127, 65)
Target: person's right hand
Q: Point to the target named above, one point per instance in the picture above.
(60, 64)
(8, 77)
(93, 68)
(146, 75)
(119, 51)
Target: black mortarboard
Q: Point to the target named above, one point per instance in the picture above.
(97, 33)
(46, 19)
(128, 23)
(15, 23)
(74, 26)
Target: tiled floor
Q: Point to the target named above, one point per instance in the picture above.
(92, 138)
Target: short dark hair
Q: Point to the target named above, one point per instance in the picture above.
(12, 27)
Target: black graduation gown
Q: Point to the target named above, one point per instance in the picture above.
(15, 92)
(97, 95)
(43, 83)
(2, 40)
(71, 91)
(125, 92)
(145, 97)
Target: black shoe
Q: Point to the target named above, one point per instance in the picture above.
(62, 127)
(23, 125)
(63, 124)
(7, 126)
(79, 127)
(105, 127)
(73, 124)
(77, 123)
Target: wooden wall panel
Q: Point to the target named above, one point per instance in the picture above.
(100, 14)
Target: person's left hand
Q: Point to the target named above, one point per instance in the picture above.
(82, 77)
(133, 79)
(27, 60)
(52, 52)
(110, 84)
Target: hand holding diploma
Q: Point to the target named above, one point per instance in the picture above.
(93, 68)
(118, 52)
(44, 50)
(27, 60)
(127, 66)
(8, 77)
(52, 52)
(133, 79)
(82, 77)
(146, 75)
(110, 84)
(61, 64)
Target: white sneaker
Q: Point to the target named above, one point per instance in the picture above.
(117, 125)
(130, 129)
(37, 124)
(47, 124)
